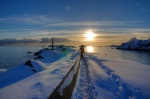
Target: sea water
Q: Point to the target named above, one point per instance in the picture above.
(132, 55)
(11, 56)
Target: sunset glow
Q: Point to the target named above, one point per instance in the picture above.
(85, 21)
(90, 49)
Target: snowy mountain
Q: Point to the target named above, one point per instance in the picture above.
(135, 44)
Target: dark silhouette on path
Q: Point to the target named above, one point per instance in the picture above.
(82, 51)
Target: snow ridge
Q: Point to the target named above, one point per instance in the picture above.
(121, 89)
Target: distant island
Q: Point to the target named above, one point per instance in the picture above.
(135, 44)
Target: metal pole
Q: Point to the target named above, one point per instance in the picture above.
(52, 44)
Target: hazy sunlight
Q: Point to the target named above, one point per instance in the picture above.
(89, 35)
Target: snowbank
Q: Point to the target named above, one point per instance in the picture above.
(22, 82)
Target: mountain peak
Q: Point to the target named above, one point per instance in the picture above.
(133, 39)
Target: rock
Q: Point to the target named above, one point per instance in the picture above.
(28, 62)
(40, 57)
(29, 52)
(34, 70)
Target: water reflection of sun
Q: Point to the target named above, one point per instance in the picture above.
(90, 49)
(90, 35)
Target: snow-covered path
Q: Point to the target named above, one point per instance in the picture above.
(84, 87)
(98, 81)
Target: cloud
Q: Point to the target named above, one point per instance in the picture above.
(47, 21)
(48, 40)
(29, 19)
(37, 26)
(55, 33)
(25, 40)
(77, 33)
(15, 41)
(124, 30)
(91, 23)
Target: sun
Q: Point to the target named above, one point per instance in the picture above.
(89, 35)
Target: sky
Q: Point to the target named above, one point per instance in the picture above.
(111, 20)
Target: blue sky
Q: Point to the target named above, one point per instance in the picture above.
(111, 20)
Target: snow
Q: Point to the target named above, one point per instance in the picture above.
(133, 73)
(99, 77)
(135, 44)
(21, 82)
(2, 71)
(133, 39)
(134, 76)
